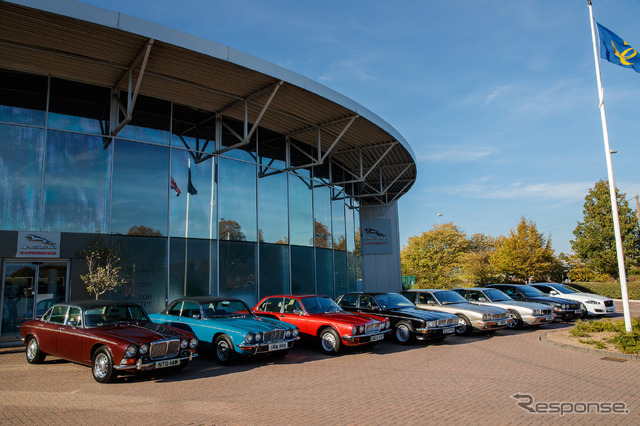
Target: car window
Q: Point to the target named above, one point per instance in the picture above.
(510, 291)
(318, 305)
(58, 314)
(229, 308)
(189, 309)
(75, 315)
(474, 295)
(544, 288)
(426, 298)
(291, 305)
(175, 309)
(349, 300)
(367, 302)
(272, 304)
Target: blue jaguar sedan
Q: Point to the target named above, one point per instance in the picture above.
(230, 326)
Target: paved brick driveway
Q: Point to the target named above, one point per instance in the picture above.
(457, 381)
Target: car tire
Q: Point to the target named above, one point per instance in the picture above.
(329, 341)
(465, 328)
(223, 350)
(102, 366)
(34, 354)
(403, 333)
(516, 320)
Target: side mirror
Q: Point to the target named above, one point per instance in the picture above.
(553, 292)
(297, 311)
(196, 316)
(482, 299)
(430, 302)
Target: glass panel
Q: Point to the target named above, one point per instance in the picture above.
(302, 270)
(193, 129)
(150, 121)
(324, 272)
(352, 271)
(19, 293)
(140, 189)
(272, 209)
(52, 278)
(237, 201)
(79, 107)
(23, 98)
(238, 270)
(232, 134)
(21, 151)
(272, 149)
(300, 211)
(145, 261)
(337, 215)
(340, 272)
(274, 269)
(193, 197)
(189, 270)
(322, 217)
(356, 224)
(76, 190)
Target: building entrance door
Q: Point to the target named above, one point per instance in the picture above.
(29, 289)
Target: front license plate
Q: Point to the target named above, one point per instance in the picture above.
(278, 346)
(167, 363)
(549, 318)
(502, 322)
(377, 337)
(448, 330)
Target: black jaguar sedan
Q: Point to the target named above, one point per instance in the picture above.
(563, 308)
(407, 321)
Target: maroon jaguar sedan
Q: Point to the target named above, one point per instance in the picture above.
(109, 336)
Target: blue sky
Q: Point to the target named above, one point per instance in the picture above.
(497, 98)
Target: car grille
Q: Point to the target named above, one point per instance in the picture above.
(546, 312)
(608, 303)
(273, 336)
(499, 316)
(574, 306)
(447, 321)
(373, 327)
(164, 349)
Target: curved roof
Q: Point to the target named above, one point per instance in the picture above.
(76, 41)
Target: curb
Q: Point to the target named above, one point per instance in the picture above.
(631, 357)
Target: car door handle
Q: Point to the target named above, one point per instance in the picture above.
(281, 316)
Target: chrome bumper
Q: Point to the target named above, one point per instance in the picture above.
(149, 365)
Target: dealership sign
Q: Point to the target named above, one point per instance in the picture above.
(375, 236)
(38, 244)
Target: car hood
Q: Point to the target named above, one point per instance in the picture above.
(549, 300)
(345, 317)
(481, 309)
(582, 297)
(148, 332)
(515, 303)
(251, 324)
(421, 313)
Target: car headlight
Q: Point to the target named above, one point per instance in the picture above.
(431, 324)
(193, 343)
(249, 338)
(131, 351)
(354, 330)
(295, 332)
(287, 334)
(537, 312)
(144, 349)
(565, 306)
(258, 337)
(361, 329)
(486, 317)
(184, 343)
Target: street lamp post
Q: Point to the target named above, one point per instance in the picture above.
(439, 215)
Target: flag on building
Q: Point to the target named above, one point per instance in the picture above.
(174, 186)
(190, 188)
(616, 50)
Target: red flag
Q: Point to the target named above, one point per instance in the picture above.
(174, 186)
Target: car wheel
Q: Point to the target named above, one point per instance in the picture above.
(516, 320)
(102, 366)
(329, 341)
(464, 328)
(404, 333)
(34, 354)
(224, 350)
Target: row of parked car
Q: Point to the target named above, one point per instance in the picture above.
(119, 336)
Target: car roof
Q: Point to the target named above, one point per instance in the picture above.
(205, 299)
(91, 303)
(298, 296)
(433, 290)
(472, 288)
(371, 293)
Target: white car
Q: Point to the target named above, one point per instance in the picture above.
(594, 303)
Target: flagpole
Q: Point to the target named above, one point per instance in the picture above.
(612, 184)
(186, 231)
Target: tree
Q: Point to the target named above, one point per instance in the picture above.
(578, 272)
(525, 254)
(433, 257)
(102, 262)
(230, 230)
(474, 264)
(144, 231)
(595, 243)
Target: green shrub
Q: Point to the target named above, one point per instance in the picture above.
(609, 289)
(628, 343)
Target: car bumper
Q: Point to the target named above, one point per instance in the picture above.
(490, 325)
(363, 338)
(599, 309)
(429, 333)
(569, 314)
(263, 348)
(537, 320)
(150, 365)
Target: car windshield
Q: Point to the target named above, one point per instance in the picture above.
(496, 295)
(393, 301)
(226, 309)
(531, 291)
(320, 305)
(449, 297)
(113, 315)
(562, 289)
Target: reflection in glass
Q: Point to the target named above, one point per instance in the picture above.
(300, 211)
(192, 202)
(237, 201)
(302, 270)
(145, 262)
(232, 134)
(23, 98)
(340, 272)
(272, 209)
(151, 121)
(337, 215)
(324, 272)
(272, 150)
(78, 107)
(21, 151)
(140, 189)
(76, 183)
(322, 219)
(189, 267)
(274, 269)
(238, 270)
(193, 129)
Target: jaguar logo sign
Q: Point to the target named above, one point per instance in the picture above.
(38, 244)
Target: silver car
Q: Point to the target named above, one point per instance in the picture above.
(472, 317)
(530, 313)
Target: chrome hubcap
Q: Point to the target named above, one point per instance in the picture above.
(101, 366)
(462, 328)
(32, 349)
(402, 333)
(223, 350)
(328, 342)
(514, 321)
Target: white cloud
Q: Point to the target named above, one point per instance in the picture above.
(569, 191)
(458, 155)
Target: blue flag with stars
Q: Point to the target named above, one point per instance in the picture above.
(616, 50)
